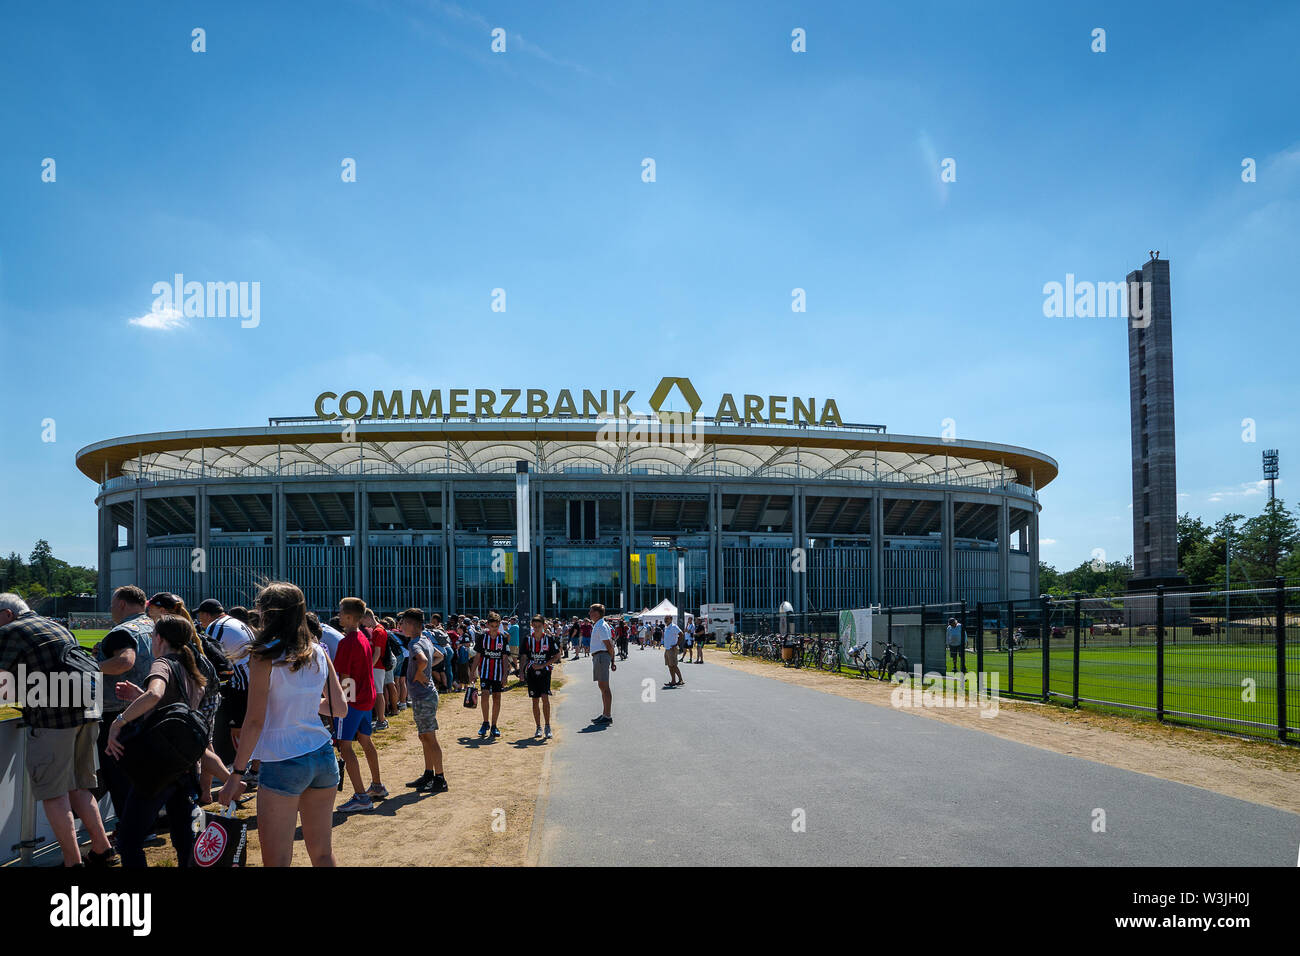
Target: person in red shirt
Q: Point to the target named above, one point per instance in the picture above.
(378, 645)
(354, 662)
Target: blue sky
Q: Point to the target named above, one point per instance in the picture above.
(775, 170)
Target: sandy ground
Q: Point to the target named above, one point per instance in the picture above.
(1257, 771)
(411, 830)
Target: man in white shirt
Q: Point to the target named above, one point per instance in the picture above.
(234, 636)
(602, 660)
(672, 634)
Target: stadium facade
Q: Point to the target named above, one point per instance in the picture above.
(411, 501)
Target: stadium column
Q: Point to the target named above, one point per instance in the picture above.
(523, 542)
(625, 557)
(949, 556)
(447, 515)
(280, 558)
(877, 568)
(204, 533)
(107, 534)
(1033, 549)
(715, 544)
(1004, 550)
(537, 584)
(139, 532)
(800, 542)
(360, 534)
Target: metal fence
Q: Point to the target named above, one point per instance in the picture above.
(1224, 660)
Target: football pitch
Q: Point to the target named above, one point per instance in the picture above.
(1225, 686)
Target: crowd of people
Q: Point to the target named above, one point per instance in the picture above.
(286, 699)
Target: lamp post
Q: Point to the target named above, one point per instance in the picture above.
(523, 545)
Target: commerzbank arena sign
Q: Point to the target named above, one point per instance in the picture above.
(538, 403)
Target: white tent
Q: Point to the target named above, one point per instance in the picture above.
(664, 609)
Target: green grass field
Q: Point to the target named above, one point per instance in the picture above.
(1210, 680)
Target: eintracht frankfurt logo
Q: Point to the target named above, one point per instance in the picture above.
(208, 847)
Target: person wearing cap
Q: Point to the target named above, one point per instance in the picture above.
(235, 637)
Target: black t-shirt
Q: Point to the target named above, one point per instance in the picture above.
(117, 640)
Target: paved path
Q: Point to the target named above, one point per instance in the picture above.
(712, 773)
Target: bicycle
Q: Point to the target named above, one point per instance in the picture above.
(892, 661)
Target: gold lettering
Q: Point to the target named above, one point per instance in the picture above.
(343, 405)
(589, 406)
(830, 413)
(726, 409)
(564, 403)
(386, 408)
(753, 408)
(803, 412)
(537, 403)
(426, 407)
(320, 406)
(776, 409)
(459, 402)
(484, 399)
(508, 411)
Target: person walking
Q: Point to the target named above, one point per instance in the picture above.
(355, 661)
(291, 683)
(956, 642)
(424, 663)
(602, 661)
(492, 662)
(672, 635)
(538, 654)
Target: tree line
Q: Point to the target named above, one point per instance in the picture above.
(1262, 547)
(43, 575)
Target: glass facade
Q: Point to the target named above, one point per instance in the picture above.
(583, 576)
(485, 581)
(646, 594)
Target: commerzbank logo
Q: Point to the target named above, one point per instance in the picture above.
(688, 393)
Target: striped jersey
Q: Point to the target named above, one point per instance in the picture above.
(493, 649)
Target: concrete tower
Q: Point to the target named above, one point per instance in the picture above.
(1151, 404)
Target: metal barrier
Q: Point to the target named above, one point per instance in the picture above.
(24, 832)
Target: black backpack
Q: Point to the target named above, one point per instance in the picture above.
(217, 657)
(77, 661)
(160, 748)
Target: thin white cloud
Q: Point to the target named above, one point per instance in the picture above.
(1042, 541)
(1247, 489)
(455, 12)
(161, 320)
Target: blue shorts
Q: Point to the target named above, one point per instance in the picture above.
(318, 770)
(356, 722)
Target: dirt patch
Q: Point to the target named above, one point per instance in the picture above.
(1257, 771)
(410, 830)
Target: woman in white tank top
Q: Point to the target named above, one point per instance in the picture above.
(291, 683)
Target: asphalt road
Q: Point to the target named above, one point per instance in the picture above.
(719, 772)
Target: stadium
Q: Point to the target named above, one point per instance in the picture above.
(409, 499)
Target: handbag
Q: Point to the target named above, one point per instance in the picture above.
(222, 841)
(471, 696)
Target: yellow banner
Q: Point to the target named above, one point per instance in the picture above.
(510, 567)
(636, 568)
(650, 569)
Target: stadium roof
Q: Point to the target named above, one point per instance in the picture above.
(297, 448)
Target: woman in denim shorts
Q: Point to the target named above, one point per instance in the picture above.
(291, 677)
